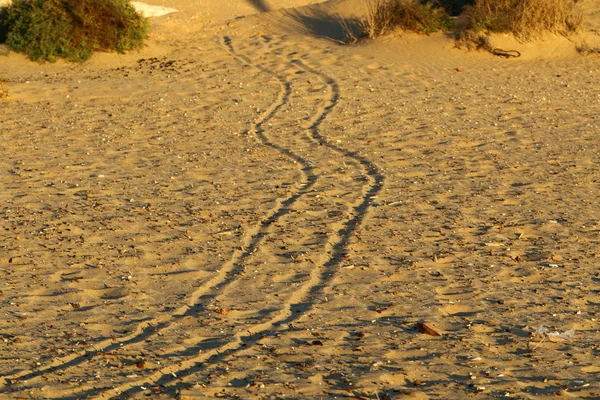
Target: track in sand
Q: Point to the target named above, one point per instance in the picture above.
(294, 254)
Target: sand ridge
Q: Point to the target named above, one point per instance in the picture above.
(251, 211)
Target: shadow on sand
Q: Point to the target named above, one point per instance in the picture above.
(323, 24)
(259, 5)
(313, 21)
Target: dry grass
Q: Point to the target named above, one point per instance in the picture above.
(473, 40)
(385, 16)
(585, 49)
(525, 19)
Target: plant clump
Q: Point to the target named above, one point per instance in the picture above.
(71, 29)
(468, 19)
(525, 19)
(385, 16)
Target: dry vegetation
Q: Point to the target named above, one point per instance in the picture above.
(585, 49)
(525, 19)
(385, 16)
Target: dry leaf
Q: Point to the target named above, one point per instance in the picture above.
(421, 327)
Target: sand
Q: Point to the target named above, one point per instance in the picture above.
(248, 209)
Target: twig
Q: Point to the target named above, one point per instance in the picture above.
(538, 345)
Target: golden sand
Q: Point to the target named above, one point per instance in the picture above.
(248, 209)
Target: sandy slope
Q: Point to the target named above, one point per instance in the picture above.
(245, 210)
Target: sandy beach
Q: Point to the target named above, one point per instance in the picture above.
(247, 208)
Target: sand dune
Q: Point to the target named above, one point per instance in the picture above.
(248, 209)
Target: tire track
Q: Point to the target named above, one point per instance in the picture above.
(226, 276)
(319, 280)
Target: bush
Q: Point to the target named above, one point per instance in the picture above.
(71, 29)
(526, 19)
(410, 15)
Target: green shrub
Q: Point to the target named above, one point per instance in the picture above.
(71, 29)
